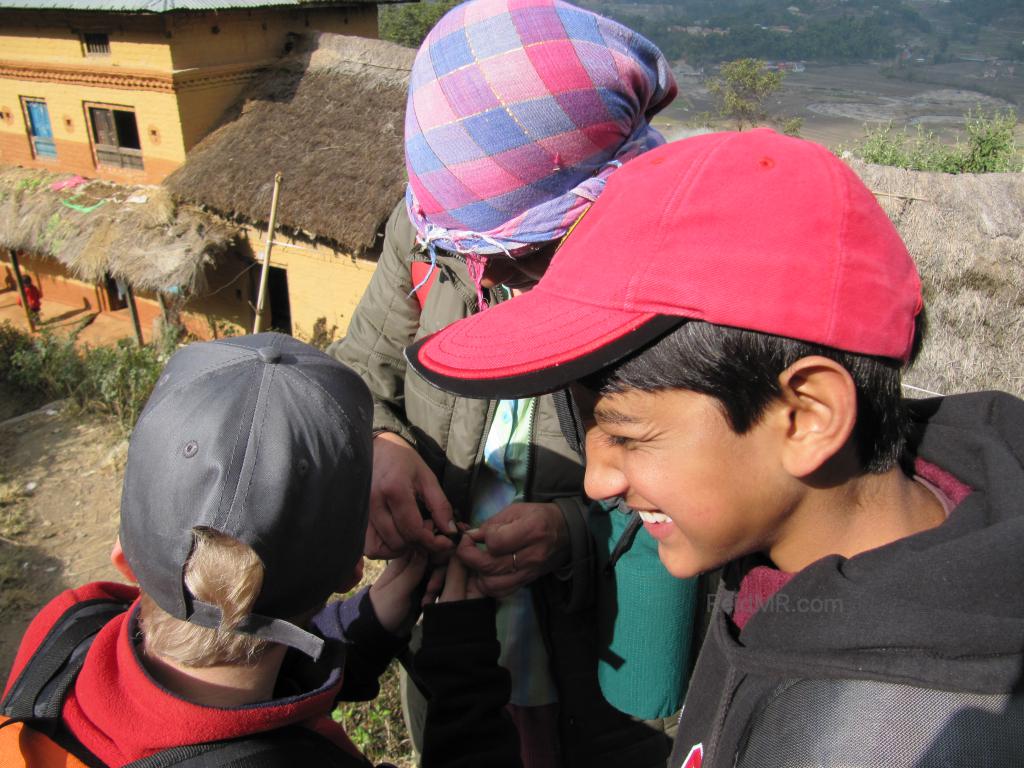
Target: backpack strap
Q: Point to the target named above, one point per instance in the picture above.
(38, 695)
(280, 748)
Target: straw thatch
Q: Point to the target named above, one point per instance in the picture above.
(137, 233)
(966, 233)
(331, 120)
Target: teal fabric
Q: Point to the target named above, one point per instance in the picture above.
(645, 624)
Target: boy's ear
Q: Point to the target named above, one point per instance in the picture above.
(820, 401)
(121, 562)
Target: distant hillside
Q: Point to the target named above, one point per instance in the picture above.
(709, 31)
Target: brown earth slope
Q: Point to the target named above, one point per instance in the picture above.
(60, 485)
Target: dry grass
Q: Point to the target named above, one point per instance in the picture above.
(966, 233)
(96, 229)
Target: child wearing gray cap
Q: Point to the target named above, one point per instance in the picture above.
(244, 508)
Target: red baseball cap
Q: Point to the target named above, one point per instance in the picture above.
(752, 230)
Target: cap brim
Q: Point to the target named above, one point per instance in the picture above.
(533, 344)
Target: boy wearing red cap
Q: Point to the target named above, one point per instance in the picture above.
(743, 373)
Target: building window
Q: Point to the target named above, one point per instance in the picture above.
(96, 43)
(40, 133)
(115, 136)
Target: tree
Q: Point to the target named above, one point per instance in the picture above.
(408, 24)
(741, 89)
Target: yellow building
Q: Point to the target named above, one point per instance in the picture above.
(330, 119)
(123, 89)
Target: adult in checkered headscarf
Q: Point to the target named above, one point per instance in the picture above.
(518, 111)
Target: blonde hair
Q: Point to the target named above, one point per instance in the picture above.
(223, 572)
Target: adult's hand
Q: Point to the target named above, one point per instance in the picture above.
(400, 477)
(515, 547)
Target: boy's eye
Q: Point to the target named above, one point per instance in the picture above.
(616, 441)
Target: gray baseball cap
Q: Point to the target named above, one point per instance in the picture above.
(267, 440)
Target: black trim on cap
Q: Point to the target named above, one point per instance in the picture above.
(263, 627)
(547, 379)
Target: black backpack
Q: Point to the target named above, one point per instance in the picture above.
(37, 697)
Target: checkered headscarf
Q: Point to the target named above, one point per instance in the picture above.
(518, 110)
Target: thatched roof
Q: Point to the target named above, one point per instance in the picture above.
(136, 233)
(966, 233)
(331, 121)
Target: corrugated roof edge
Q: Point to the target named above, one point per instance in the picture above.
(171, 6)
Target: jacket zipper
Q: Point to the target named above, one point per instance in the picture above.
(530, 448)
(496, 297)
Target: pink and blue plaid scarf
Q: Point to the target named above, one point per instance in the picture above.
(518, 111)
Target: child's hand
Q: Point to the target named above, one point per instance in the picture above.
(394, 594)
(458, 583)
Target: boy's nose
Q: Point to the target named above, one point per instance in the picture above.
(603, 479)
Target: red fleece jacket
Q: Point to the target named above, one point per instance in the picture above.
(121, 714)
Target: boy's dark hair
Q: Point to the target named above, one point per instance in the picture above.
(740, 369)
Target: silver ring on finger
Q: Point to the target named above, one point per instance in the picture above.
(515, 566)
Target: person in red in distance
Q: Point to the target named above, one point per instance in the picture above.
(740, 377)
(33, 297)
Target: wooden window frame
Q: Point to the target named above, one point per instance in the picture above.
(95, 54)
(121, 152)
(28, 129)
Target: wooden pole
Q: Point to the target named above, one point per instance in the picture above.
(21, 289)
(133, 310)
(262, 296)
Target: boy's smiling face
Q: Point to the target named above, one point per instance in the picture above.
(707, 494)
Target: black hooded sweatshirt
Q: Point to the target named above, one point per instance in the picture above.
(906, 655)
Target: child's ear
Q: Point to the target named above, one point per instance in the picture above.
(121, 562)
(820, 400)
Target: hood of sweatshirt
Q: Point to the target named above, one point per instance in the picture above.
(943, 608)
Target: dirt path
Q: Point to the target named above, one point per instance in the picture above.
(60, 487)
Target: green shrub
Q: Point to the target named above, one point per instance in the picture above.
(118, 379)
(408, 24)
(990, 144)
(49, 364)
(990, 147)
(12, 341)
(115, 380)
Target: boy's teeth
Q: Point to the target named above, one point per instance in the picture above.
(655, 517)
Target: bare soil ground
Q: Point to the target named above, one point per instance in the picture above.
(59, 494)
